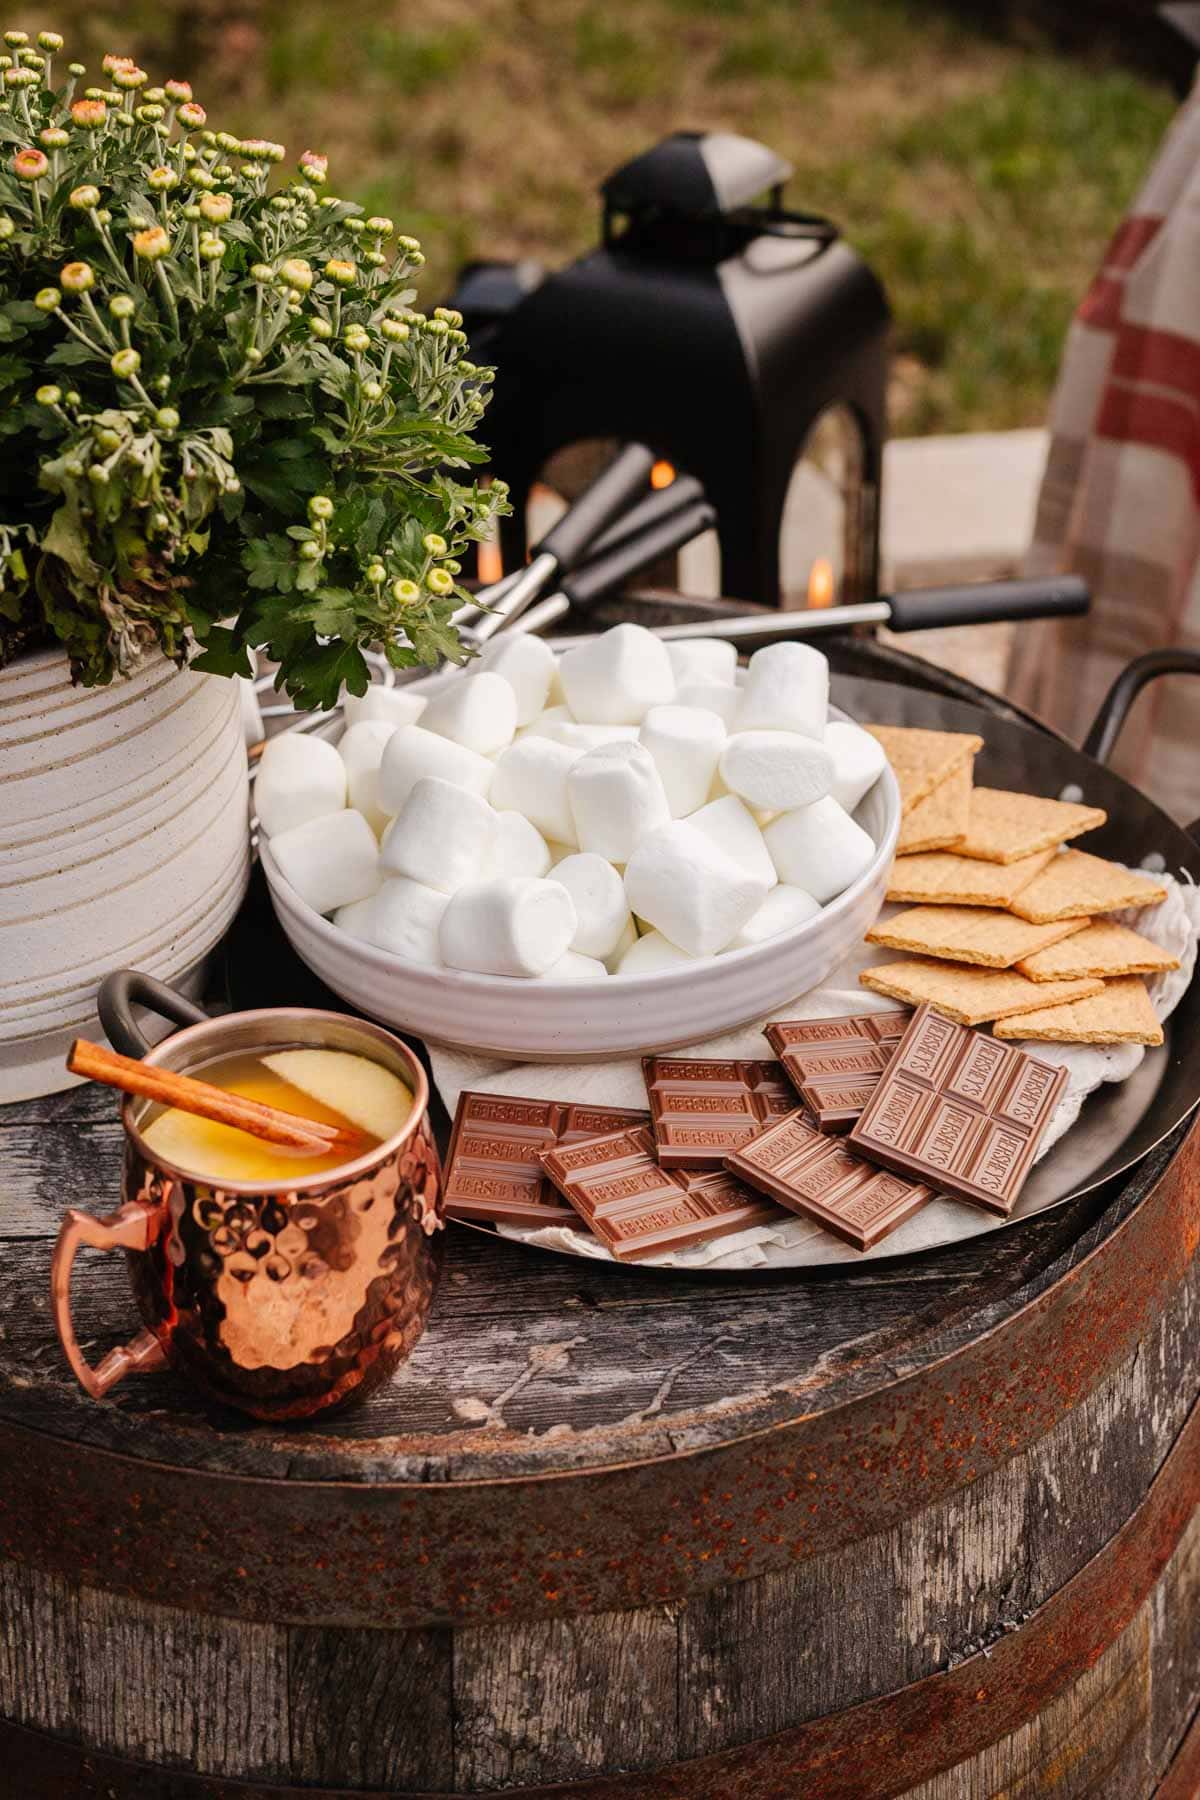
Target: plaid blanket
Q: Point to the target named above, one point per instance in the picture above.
(1120, 498)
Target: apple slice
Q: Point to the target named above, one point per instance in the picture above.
(362, 1091)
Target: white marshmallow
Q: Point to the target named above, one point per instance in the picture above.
(573, 967)
(783, 908)
(515, 925)
(689, 890)
(819, 848)
(520, 847)
(732, 827)
(442, 836)
(299, 778)
(405, 919)
(720, 697)
(394, 705)
(617, 677)
(253, 729)
(858, 761)
(654, 952)
(480, 714)
(331, 861)
(531, 778)
(412, 753)
(703, 659)
(774, 770)
(787, 689)
(539, 726)
(686, 744)
(361, 749)
(601, 909)
(527, 663)
(588, 737)
(617, 796)
(624, 945)
(356, 919)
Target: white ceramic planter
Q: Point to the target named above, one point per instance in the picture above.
(123, 842)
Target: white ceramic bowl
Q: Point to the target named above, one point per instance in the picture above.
(551, 1021)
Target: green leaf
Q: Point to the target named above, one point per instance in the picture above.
(224, 654)
(269, 563)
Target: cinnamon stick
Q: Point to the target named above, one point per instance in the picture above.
(270, 1123)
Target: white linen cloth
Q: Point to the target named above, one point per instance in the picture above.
(795, 1242)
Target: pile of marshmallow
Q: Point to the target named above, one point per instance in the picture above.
(627, 807)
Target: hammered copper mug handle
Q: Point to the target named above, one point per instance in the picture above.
(133, 1226)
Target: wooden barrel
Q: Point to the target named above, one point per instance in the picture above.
(920, 1528)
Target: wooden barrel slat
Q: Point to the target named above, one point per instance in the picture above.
(921, 1528)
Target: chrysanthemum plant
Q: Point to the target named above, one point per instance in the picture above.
(221, 421)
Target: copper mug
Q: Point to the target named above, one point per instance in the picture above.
(280, 1302)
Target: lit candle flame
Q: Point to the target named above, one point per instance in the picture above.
(820, 582)
(662, 475)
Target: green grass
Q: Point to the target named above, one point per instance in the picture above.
(980, 172)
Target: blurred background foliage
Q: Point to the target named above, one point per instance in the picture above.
(979, 156)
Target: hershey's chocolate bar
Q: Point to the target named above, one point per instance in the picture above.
(701, 1110)
(834, 1064)
(959, 1109)
(493, 1171)
(639, 1209)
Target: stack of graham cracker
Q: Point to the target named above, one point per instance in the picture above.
(1008, 927)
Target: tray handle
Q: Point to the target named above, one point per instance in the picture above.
(124, 989)
(1114, 708)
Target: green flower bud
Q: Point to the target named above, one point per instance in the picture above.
(77, 69)
(54, 138)
(47, 300)
(356, 226)
(233, 485)
(178, 90)
(296, 274)
(21, 78)
(72, 397)
(405, 592)
(167, 419)
(395, 330)
(434, 544)
(213, 248)
(199, 177)
(452, 568)
(338, 269)
(48, 395)
(77, 277)
(216, 208)
(162, 179)
(320, 507)
(310, 552)
(380, 225)
(50, 40)
(375, 259)
(6, 226)
(448, 314)
(226, 141)
(149, 115)
(262, 272)
(356, 338)
(15, 39)
(73, 467)
(160, 521)
(314, 168)
(224, 171)
(372, 390)
(125, 364)
(320, 328)
(89, 113)
(191, 115)
(439, 581)
(254, 355)
(301, 192)
(107, 440)
(408, 244)
(191, 212)
(98, 474)
(436, 328)
(155, 94)
(376, 574)
(122, 306)
(151, 243)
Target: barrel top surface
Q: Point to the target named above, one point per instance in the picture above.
(532, 1364)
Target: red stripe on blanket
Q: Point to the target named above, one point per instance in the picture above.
(1165, 358)
(1129, 240)
(1130, 416)
(1101, 305)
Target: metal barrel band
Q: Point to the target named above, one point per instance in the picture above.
(878, 1750)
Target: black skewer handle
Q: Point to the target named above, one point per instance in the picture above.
(685, 490)
(986, 602)
(603, 573)
(623, 481)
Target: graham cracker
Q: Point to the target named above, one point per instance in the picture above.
(1075, 884)
(940, 819)
(969, 934)
(971, 996)
(922, 759)
(1103, 948)
(945, 879)
(1122, 1014)
(1003, 827)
